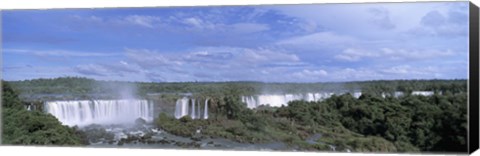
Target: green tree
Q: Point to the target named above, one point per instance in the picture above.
(22, 127)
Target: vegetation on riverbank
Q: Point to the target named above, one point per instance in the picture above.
(22, 127)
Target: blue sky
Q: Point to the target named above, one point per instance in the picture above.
(270, 43)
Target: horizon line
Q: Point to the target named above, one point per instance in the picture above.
(236, 81)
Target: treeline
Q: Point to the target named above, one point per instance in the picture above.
(22, 127)
(78, 87)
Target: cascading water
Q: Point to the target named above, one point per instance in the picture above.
(277, 100)
(198, 109)
(181, 108)
(250, 100)
(205, 113)
(86, 112)
(193, 109)
(184, 104)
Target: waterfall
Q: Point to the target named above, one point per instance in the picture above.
(198, 110)
(250, 100)
(195, 106)
(423, 93)
(86, 112)
(193, 109)
(178, 109)
(277, 100)
(205, 113)
(181, 107)
(358, 94)
(184, 102)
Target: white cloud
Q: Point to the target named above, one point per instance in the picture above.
(204, 26)
(263, 56)
(308, 26)
(403, 54)
(138, 20)
(355, 74)
(59, 53)
(309, 74)
(407, 71)
(103, 69)
(246, 28)
(316, 39)
(209, 63)
(87, 18)
(149, 59)
(92, 70)
(449, 23)
(145, 21)
(240, 56)
(198, 23)
(353, 54)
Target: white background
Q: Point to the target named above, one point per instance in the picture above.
(71, 151)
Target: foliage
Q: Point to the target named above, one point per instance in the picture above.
(435, 123)
(22, 127)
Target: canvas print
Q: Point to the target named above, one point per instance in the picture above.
(365, 77)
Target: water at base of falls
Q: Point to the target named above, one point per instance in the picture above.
(85, 112)
(148, 136)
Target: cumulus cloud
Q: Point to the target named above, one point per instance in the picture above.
(282, 43)
(211, 62)
(436, 23)
(240, 56)
(264, 64)
(433, 19)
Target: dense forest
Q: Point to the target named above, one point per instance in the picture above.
(410, 123)
(22, 127)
